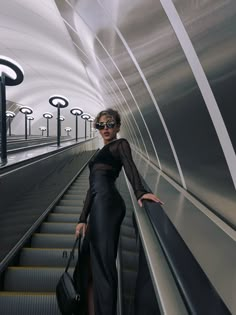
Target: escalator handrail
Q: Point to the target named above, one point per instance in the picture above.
(199, 295)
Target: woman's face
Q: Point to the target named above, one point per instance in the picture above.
(108, 134)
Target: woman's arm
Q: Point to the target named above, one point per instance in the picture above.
(130, 168)
(133, 175)
(86, 208)
(82, 223)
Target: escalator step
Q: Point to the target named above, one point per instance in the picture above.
(52, 240)
(72, 192)
(76, 203)
(128, 221)
(129, 281)
(79, 191)
(60, 228)
(30, 303)
(79, 187)
(64, 209)
(69, 196)
(127, 231)
(63, 217)
(44, 257)
(35, 279)
(128, 243)
(129, 259)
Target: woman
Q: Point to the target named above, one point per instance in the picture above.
(107, 209)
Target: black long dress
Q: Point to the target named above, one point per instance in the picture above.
(107, 210)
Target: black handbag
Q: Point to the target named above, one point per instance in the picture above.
(68, 297)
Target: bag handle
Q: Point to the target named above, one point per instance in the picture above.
(72, 252)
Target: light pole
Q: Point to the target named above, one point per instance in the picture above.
(48, 116)
(68, 130)
(26, 111)
(10, 115)
(11, 74)
(30, 118)
(62, 118)
(58, 101)
(76, 111)
(91, 119)
(42, 129)
(85, 116)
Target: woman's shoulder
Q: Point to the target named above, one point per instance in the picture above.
(120, 145)
(123, 140)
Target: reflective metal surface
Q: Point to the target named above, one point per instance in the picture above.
(168, 66)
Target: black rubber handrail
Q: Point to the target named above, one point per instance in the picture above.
(199, 295)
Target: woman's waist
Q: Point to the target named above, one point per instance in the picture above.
(102, 176)
(97, 186)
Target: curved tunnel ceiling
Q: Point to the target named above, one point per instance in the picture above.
(161, 63)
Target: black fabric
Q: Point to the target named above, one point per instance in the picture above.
(111, 158)
(107, 209)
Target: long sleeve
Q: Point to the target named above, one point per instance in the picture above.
(86, 208)
(131, 169)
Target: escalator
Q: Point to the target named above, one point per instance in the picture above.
(29, 286)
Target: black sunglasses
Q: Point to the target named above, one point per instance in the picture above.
(109, 124)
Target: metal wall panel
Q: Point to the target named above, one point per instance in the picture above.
(152, 82)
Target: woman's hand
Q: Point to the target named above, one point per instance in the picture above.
(151, 197)
(80, 227)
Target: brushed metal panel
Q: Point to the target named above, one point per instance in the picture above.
(211, 26)
(163, 62)
(153, 42)
(213, 245)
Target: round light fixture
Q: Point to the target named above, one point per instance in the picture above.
(47, 115)
(26, 110)
(14, 73)
(54, 100)
(76, 111)
(10, 114)
(85, 116)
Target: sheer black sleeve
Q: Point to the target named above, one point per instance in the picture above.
(130, 168)
(86, 208)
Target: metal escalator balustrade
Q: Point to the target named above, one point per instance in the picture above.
(29, 287)
(180, 284)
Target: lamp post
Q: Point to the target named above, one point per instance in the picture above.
(85, 116)
(26, 111)
(11, 74)
(10, 115)
(42, 128)
(58, 101)
(91, 119)
(62, 118)
(68, 130)
(30, 118)
(48, 116)
(76, 111)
